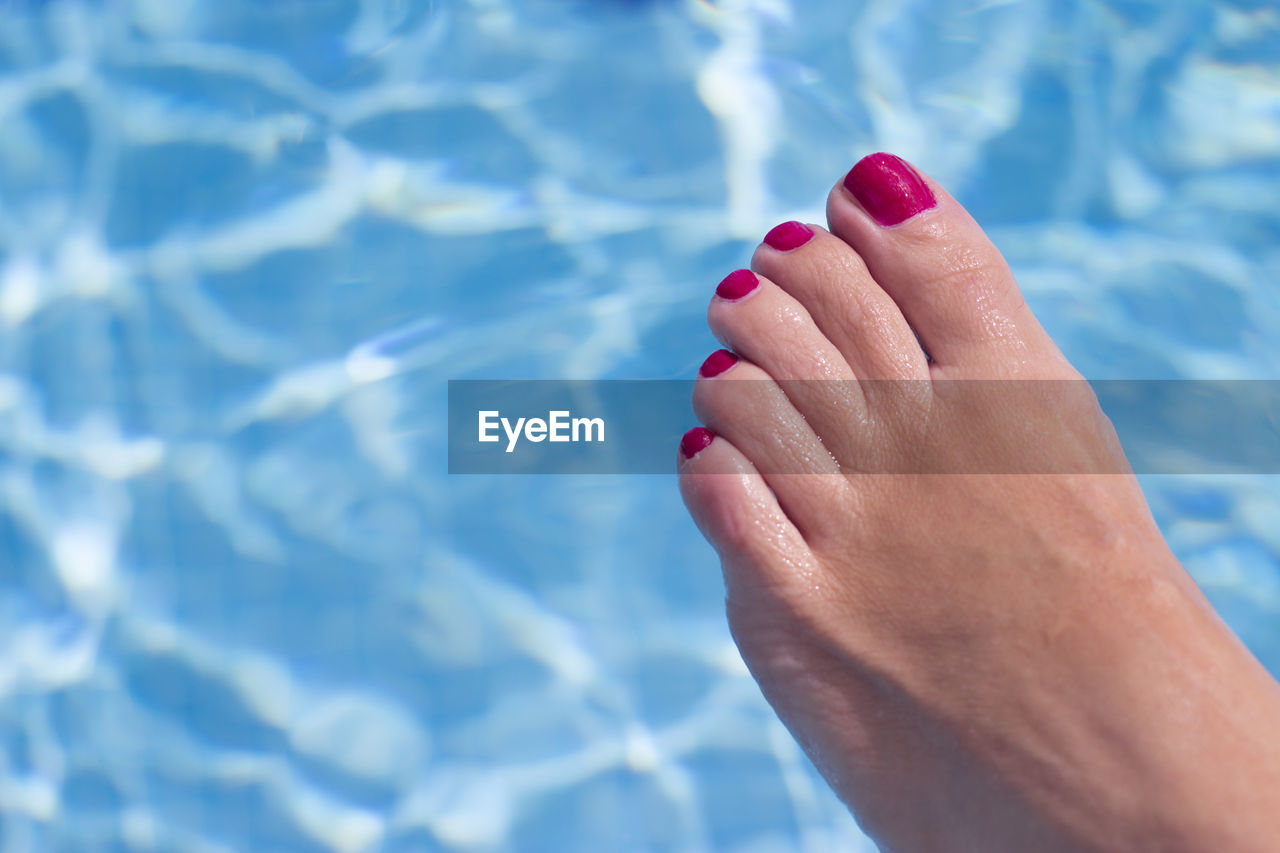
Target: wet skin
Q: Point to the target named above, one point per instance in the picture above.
(980, 660)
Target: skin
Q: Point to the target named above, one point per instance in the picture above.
(974, 661)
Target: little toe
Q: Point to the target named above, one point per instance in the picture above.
(760, 548)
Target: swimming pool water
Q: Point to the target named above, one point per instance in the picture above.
(242, 605)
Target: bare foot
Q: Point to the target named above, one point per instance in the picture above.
(975, 662)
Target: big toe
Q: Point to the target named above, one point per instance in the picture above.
(949, 280)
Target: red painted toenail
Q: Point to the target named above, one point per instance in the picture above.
(737, 284)
(888, 188)
(695, 441)
(718, 362)
(788, 236)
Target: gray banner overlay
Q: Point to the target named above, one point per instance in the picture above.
(885, 427)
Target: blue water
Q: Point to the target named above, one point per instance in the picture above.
(245, 244)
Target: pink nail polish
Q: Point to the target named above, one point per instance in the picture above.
(737, 284)
(788, 236)
(888, 188)
(695, 441)
(718, 362)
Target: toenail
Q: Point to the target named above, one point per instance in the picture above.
(888, 188)
(788, 236)
(695, 441)
(737, 284)
(718, 362)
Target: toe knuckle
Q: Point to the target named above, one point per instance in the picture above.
(975, 270)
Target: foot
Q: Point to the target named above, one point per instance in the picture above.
(974, 661)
